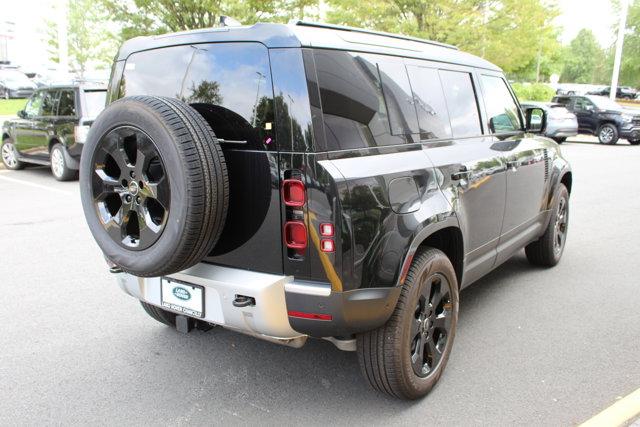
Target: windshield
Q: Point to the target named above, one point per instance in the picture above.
(94, 102)
(604, 103)
(16, 77)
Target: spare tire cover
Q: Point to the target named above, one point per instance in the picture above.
(154, 186)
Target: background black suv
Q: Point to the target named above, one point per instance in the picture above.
(52, 128)
(622, 92)
(604, 118)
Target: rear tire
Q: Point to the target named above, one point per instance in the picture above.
(9, 155)
(59, 167)
(406, 357)
(162, 316)
(548, 249)
(608, 134)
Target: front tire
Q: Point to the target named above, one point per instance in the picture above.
(59, 167)
(406, 357)
(560, 139)
(10, 155)
(608, 134)
(634, 142)
(548, 249)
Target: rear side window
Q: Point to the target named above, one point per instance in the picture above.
(228, 83)
(67, 103)
(50, 103)
(502, 110)
(353, 103)
(461, 103)
(433, 116)
(94, 101)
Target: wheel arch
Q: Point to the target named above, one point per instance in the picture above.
(567, 180)
(446, 236)
(5, 135)
(53, 141)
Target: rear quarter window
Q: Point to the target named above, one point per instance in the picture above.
(355, 111)
(94, 102)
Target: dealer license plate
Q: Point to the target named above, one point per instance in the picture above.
(182, 297)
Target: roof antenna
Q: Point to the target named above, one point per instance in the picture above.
(227, 21)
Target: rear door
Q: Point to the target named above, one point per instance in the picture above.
(472, 165)
(44, 124)
(230, 85)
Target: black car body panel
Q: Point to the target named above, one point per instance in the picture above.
(400, 143)
(51, 116)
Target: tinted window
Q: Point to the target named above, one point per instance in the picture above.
(433, 117)
(461, 103)
(583, 104)
(353, 105)
(67, 103)
(397, 94)
(32, 109)
(94, 101)
(50, 103)
(502, 110)
(562, 100)
(228, 83)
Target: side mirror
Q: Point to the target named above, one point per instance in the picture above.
(22, 114)
(536, 119)
(588, 107)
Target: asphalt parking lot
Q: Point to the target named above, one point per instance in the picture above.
(534, 346)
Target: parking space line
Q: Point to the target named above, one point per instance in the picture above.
(618, 414)
(33, 184)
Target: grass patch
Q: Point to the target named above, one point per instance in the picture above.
(9, 107)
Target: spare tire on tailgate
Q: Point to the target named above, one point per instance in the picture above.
(153, 182)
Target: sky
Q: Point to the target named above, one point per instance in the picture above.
(29, 50)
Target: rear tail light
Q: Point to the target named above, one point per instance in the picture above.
(295, 235)
(326, 230)
(293, 192)
(327, 245)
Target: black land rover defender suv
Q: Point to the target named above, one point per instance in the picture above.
(602, 117)
(52, 128)
(305, 180)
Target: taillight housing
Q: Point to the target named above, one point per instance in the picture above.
(327, 245)
(295, 235)
(293, 193)
(326, 230)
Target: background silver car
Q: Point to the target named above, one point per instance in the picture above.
(561, 123)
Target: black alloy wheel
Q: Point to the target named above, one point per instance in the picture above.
(560, 226)
(431, 325)
(407, 356)
(130, 188)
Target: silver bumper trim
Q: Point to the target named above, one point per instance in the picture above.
(267, 319)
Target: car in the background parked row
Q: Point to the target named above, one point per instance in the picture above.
(622, 92)
(15, 84)
(561, 123)
(600, 116)
(52, 128)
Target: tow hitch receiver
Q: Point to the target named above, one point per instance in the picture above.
(244, 301)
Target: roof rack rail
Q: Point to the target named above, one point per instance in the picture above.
(377, 33)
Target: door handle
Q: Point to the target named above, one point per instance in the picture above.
(513, 164)
(463, 173)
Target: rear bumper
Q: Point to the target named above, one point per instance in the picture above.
(280, 301)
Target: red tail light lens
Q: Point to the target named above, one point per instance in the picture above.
(293, 192)
(327, 245)
(326, 230)
(295, 235)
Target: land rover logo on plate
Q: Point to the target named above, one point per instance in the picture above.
(181, 293)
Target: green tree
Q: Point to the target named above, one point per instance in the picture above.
(581, 58)
(630, 66)
(90, 42)
(514, 34)
(145, 17)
